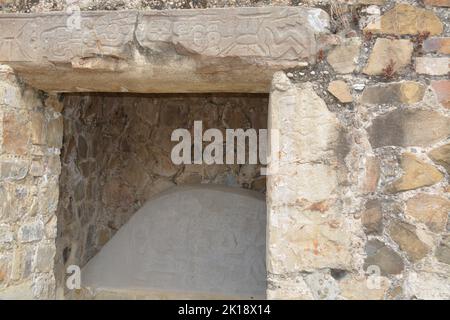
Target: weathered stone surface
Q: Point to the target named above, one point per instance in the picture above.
(38, 127)
(45, 255)
(427, 285)
(437, 3)
(443, 250)
(344, 58)
(442, 90)
(406, 128)
(407, 92)
(429, 209)
(438, 45)
(207, 216)
(359, 288)
(283, 287)
(435, 66)
(322, 243)
(378, 254)
(55, 132)
(6, 235)
(441, 156)
(340, 90)
(15, 141)
(13, 169)
(389, 53)
(417, 174)
(405, 236)
(372, 217)
(406, 19)
(232, 49)
(372, 175)
(32, 231)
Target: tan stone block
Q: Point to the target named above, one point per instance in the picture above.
(441, 156)
(438, 3)
(429, 209)
(407, 92)
(436, 66)
(372, 217)
(406, 19)
(38, 128)
(442, 90)
(16, 135)
(217, 52)
(372, 175)
(388, 52)
(361, 288)
(405, 236)
(340, 90)
(417, 174)
(344, 58)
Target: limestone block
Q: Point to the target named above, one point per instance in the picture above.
(231, 49)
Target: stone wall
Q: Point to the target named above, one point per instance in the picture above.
(370, 195)
(385, 212)
(30, 139)
(116, 155)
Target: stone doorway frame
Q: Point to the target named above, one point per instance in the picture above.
(156, 52)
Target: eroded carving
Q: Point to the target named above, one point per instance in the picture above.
(273, 33)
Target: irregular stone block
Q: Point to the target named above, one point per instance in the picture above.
(344, 58)
(438, 45)
(435, 66)
(360, 288)
(406, 19)
(32, 231)
(407, 92)
(389, 53)
(15, 141)
(429, 209)
(383, 257)
(372, 217)
(405, 236)
(408, 128)
(441, 156)
(442, 90)
(13, 169)
(417, 174)
(372, 175)
(232, 49)
(340, 90)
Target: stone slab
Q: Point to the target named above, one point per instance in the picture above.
(232, 49)
(195, 241)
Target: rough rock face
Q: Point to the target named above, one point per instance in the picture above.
(244, 45)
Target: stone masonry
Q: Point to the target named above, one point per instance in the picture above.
(359, 207)
(116, 156)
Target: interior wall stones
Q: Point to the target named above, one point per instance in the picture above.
(116, 155)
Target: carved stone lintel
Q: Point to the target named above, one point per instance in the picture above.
(194, 50)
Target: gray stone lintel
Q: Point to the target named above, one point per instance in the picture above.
(206, 50)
